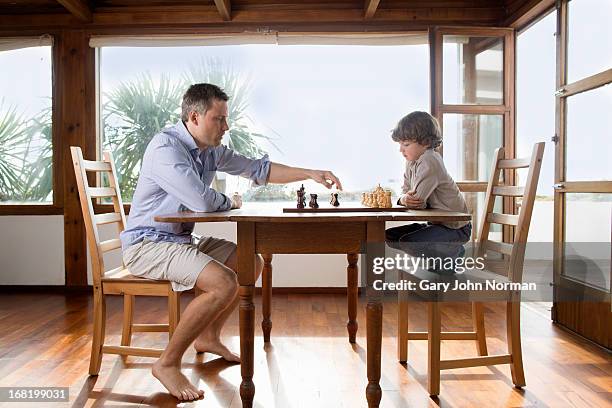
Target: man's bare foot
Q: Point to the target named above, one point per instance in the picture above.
(216, 347)
(176, 382)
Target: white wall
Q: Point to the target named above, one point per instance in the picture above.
(32, 250)
(32, 253)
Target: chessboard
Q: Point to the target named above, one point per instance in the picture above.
(353, 208)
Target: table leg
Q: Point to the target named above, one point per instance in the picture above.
(246, 278)
(351, 293)
(374, 311)
(266, 292)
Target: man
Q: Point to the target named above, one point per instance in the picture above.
(177, 169)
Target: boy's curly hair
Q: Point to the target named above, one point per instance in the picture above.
(418, 127)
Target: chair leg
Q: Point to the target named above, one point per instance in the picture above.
(128, 315)
(99, 323)
(174, 311)
(402, 326)
(479, 327)
(433, 347)
(513, 325)
(266, 297)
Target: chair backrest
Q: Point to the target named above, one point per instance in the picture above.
(513, 253)
(97, 248)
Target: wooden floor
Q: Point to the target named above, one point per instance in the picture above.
(45, 341)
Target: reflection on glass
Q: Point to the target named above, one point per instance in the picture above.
(276, 107)
(589, 38)
(473, 70)
(588, 220)
(588, 135)
(469, 142)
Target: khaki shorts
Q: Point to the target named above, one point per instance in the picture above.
(179, 263)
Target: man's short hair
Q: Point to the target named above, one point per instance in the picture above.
(418, 127)
(199, 98)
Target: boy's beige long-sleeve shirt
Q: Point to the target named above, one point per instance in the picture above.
(428, 179)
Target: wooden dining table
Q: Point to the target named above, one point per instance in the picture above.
(266, 229)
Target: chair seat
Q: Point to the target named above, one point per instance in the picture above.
(123, 275)
(469, 286)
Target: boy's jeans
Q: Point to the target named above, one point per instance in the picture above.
(429, 240)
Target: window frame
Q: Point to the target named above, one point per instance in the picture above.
(56, 207)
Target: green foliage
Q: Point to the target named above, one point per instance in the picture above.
(38, 175)
(238, 88)
(13, 135)
(136, 111)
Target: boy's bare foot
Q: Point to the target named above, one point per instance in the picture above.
(176, 382)
(216, 347)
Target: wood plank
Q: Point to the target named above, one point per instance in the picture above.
(501, 247)
(30, 209)
(225, 9)
(369, 8)
(586, 84)
(98, 192)
(132, 351)
(91, 165)
(474, 109)
(135, 287)
(527, 12)
(56, 351)
(78, 8)
(475, 362)
(472, 186)
(281, 238)
(109, 245)
(75, 94)
(195, 16)
(585, 187)
(148, 328)
(107, 218)
(506, 219)
(514, 163)
(509, 191)
(444, 335)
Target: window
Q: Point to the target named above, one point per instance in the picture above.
(317, 106)
(535, 116)
(25, 123)
(473, 70)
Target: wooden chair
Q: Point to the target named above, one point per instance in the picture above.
(117, 281)
(511, 270)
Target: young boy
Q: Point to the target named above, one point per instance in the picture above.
(427, 184)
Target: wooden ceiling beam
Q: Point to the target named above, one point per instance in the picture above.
(369, 8)
(78, 8)
(225, 9)
(183, 16)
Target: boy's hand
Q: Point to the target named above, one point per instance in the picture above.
(410, 201)
(236, 201)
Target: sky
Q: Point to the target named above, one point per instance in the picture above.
(333, 107)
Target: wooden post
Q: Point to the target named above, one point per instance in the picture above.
(75, 93)
(352, 294)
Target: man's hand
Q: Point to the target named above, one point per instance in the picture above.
(325, 177)
(236, 201)
(411, 201)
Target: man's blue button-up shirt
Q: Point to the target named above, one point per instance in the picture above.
(176, 176)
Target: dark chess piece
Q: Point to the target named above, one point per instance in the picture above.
(334, 200)
(313, 201)
(301, 198)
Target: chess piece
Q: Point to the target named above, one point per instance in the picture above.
(301, 198)
(313, 201)
(334, 200)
